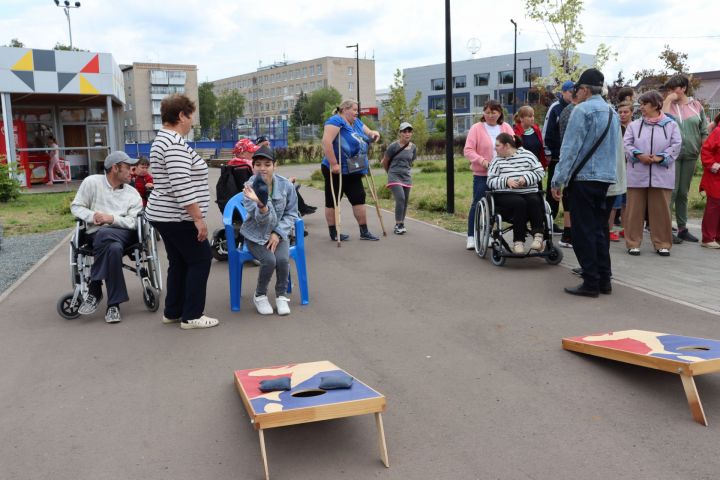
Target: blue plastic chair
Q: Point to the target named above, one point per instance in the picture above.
(238, 256)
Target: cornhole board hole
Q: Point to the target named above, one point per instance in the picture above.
(685, 356)
(305, 402)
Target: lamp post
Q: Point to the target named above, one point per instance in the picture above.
(66, 7)
(514, 69)
(357, 72)
(529, 76)
(449, 124)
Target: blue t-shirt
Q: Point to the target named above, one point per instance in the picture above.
(353, 140)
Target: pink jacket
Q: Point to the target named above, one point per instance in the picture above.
(479, 147)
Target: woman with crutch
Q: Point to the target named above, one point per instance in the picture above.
(345, 145)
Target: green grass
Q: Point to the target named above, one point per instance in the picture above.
(428, 198)
(37, 213)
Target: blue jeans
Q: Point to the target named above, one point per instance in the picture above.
(479, 189)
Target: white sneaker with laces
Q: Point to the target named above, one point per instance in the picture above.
(518, 248)
(168, 321)
(470, 245)
(112, 315)
(262, 305)
(202, 322)
(537, 242)
(282, 304)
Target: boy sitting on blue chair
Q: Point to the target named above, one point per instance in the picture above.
(271, 204)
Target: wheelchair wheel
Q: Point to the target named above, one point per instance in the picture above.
(555, 256)
(151, 298)
(496, 256)
(218, 245)
(65, 307)
(482, 228)
(153, 261)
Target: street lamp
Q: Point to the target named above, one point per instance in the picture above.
(357, 72)
(66, 7)
(514, 69)
(530, 73)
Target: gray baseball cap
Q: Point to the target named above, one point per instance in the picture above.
(118, 157)
(405, 125)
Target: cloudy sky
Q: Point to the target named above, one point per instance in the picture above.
(230, 37)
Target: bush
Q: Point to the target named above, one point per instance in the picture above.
(9, 185)
(317, 176)
(697, 203)
(383, 192)
(434, 167)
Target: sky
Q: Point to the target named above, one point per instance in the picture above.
(230, 37)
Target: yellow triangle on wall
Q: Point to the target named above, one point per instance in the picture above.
(86, 86)
(25, 63)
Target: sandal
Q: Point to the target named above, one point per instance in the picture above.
(634, 251)
(663, 252)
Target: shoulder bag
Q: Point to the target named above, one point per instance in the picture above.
(592, 150)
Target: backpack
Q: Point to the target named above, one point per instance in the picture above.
(231, 182)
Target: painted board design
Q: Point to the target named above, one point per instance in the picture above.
(303, 376)
(653, 344)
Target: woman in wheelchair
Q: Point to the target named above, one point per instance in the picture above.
(514, 177)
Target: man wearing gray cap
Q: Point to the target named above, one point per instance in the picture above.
(110, 208)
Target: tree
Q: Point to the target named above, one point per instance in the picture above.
(230, 106)
(61, 46)
(208, 106)
(561, 19)
(397, 110)
(320, 103)
(298, 117)
(15, 43)
(673, 63)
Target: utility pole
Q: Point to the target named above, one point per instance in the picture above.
(514, 102)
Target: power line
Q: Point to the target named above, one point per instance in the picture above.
(640, 36)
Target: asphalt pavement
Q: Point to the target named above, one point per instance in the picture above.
(468, 355)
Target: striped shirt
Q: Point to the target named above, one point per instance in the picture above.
(181, 179)
(522, 164)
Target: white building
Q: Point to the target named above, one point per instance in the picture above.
(478, 80)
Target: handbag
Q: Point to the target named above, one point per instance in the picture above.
(354, 164)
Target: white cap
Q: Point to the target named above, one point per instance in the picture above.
(405, 125)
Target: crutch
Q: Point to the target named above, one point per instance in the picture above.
(332, 191)
(371, 182)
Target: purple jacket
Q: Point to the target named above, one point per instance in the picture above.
(660, 138)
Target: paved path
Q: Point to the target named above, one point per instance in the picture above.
(467, 353)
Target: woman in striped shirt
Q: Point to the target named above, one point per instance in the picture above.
(514, 177)
(177, 208)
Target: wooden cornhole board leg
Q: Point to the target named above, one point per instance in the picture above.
(264, 454)
(696, 408)
(381, 440)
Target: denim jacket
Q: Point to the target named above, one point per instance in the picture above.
(280, 217)
(587, 122)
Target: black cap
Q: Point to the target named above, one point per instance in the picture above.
(592, 77)
(264, 152)
(260, 139)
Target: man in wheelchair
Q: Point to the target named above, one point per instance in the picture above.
(110, 208)
(514, 176)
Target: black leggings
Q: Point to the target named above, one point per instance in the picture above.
(521, 208)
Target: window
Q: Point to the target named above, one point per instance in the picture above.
(528, 75)
(480, 100)
(312, 70)
(176, 77)
(436, 103)
(505, 77)
(350, 71)
(319, 69)
(351, 86)
(506, 98)
(460, 102)
(437, 84)
(304, 72)
(158, 77)
(460, 81)
(482, 79)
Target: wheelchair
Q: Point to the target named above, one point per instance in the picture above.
(145, 264)
(490, 234)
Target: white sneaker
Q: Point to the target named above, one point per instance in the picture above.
(282, 305)
(202, 322)
(262, 305)
(712, 244)
(168, 321)
(470, 243)
(537, 242)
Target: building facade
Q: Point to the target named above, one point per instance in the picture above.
(478, 80)
(271, 91)
(146, 84)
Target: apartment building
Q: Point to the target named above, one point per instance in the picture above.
(272, 91)
(146, 84)
(478, 80)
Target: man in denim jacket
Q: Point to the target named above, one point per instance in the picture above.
(588, 189)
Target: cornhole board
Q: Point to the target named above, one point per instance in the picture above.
(685, 356)
(305, 402)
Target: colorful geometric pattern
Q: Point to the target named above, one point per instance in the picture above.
(25, 70)
(303, 377)
(661, 345)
